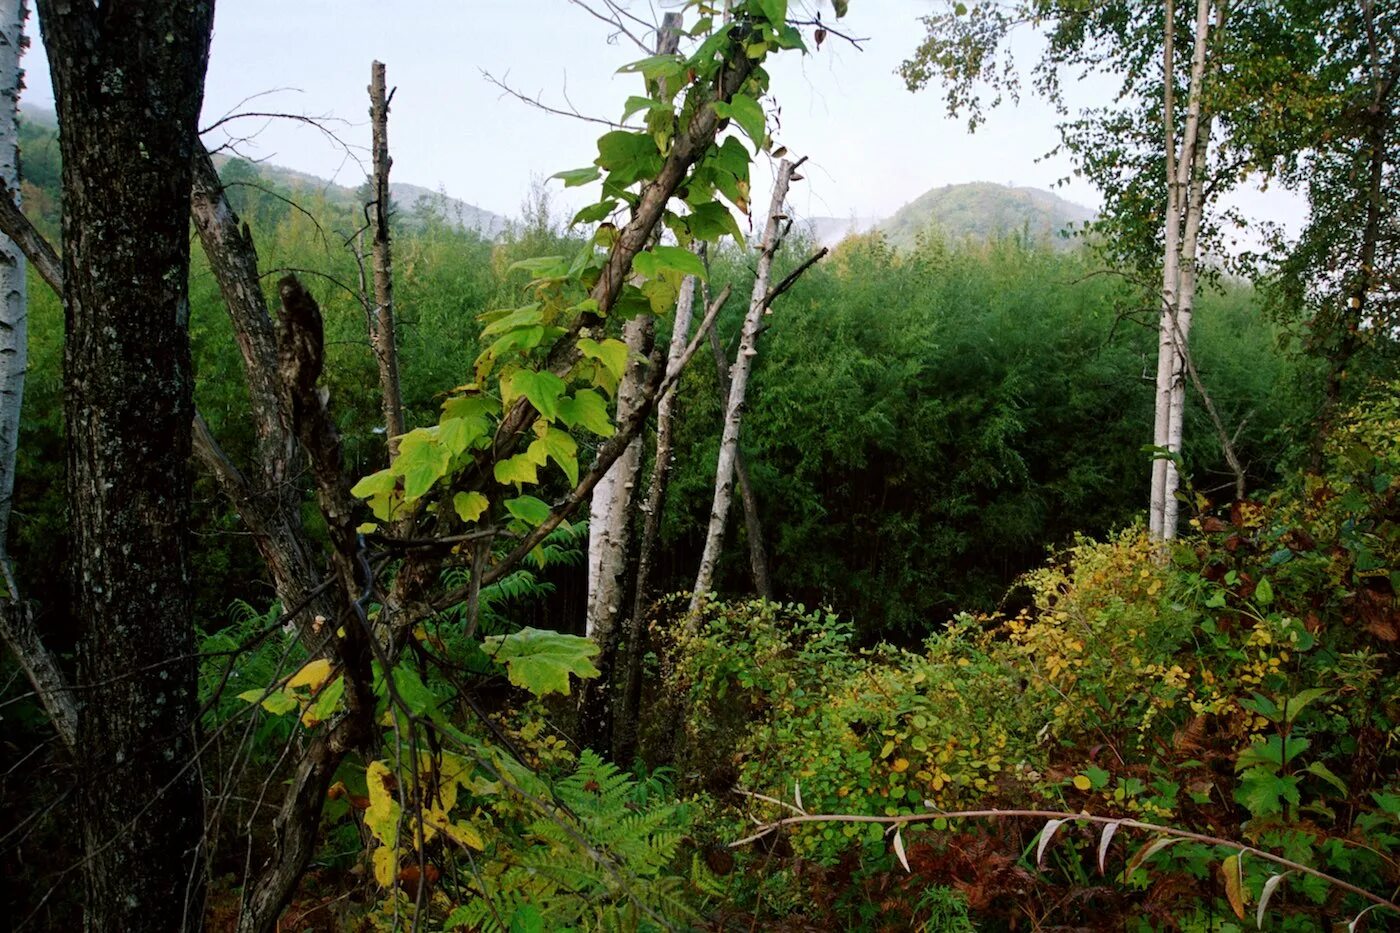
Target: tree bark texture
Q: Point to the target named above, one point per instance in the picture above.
(753, 524)
(738, 389)
(1185, 203)
(14, 302)
(383, 336)
(610, 511)
(128, 82)
(612, 508)
(625, 722)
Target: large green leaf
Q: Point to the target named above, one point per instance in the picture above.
(669, 257)
(628, 156)
(578, 176)
(587, 409)
(746, 112)
(541, 661)
(518, 469)
(556, 444)
(541, 388)
(469, 505)
(528, 509)
(612, 353)
(422, 461)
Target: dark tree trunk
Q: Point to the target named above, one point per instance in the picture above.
(128, 79)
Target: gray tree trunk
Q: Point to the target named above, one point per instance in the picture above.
(382, 335)
(753, 524)
(738, 390)
(128, 81)
(625, 723)
(610, 512)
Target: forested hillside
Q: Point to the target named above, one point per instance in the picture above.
(984, 210)
(655, 565)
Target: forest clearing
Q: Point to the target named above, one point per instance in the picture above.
(673, 552)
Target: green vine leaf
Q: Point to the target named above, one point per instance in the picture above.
(422, 461)
(574, 177)
(675, 258)
(541, 661)
(628, 157)
(541, 388)
(588, 410)
(528, 509)
(557, 445)
(518, 469)
(746, 112)
(611, 353)
(469, 505)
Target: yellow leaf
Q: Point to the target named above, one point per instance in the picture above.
(466, 834)
(382, 817)
(312, 675)
(1082, 783)
(901, 765)
(386, 866)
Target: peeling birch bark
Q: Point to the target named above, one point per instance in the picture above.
(609, 512)
(14, 302)
(738, 390)
(1185, 203)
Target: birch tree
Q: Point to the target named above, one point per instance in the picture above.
(14, 304)
(1157, 165)
(613, 507)
(1185, 176)
(739, 384)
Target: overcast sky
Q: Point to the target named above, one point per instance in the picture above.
(872, 145)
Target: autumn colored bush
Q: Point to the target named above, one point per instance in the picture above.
(1243, 686)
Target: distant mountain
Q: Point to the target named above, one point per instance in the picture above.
(411, 201)
(828, 231)
(982, 210)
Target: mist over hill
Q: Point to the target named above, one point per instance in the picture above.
(414, 203)
(981, 210)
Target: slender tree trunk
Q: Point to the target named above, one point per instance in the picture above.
(1171, 255)
(383, 334)
(738, 390)
(610, 511)
(1182, 326)
(1363, 278)
(612, 508)
(1182, 224)
(14, 302)
(625, 722)
(128, 82)
(753, 524)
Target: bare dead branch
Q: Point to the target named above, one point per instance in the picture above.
(539, 104)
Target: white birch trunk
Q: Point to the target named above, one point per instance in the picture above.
(1186, 303)
(738, 389)
(1172, 230)
(1180, 251)
(609, 508)
(14, 328)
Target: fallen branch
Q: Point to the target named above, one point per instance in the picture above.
(1057, 815)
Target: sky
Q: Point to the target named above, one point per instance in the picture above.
(872, 146)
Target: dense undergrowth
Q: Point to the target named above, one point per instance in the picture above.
(1244, 688)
